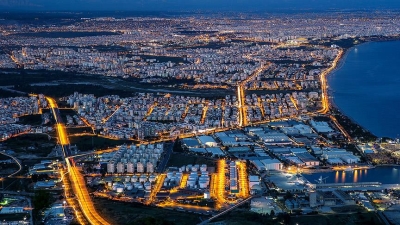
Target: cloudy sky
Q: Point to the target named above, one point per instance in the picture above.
(179, 5)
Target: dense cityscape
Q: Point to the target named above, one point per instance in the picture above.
(193, 118)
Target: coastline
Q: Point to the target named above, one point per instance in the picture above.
(333, 107)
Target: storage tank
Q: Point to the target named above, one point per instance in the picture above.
(195, 168)
(142, 178)
(137, 184)
(109, 183)
(120, 189)
(134, 178)
(191, 183)
(203, 184)
(147, 186)
(129, 187)
(166, 182)
(203, 168)
(127, 178)
(152, 178)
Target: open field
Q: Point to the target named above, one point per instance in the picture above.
(368, 218)
(60, 84)
(31, 120)
(239, 217)
(179, 159)
(129, 213)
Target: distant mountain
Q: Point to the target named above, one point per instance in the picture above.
(179, 5)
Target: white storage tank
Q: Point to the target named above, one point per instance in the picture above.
(195, 168)
(134, 178)
(129, 187)
(191, 183)
(203, 184)
(120, 189)
(152, 178)
(127, 178)
(137, 184)
(142, 178)
(166, 182)
(147, 186)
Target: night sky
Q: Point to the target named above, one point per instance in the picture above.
(181, 5)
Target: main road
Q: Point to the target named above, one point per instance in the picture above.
(77, 181)
(241, 96)
(324, 86)
(61, 131)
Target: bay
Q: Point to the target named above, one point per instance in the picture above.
(366, 87)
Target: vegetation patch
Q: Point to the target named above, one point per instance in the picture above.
(134, 213)
(35, 144)
(92, 142)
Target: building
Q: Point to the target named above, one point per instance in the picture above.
(313, 198)
(272, 164)
(253, 180)
(308, 159)
(207, 141)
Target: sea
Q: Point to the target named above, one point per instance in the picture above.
(366, 87)
(382, 174)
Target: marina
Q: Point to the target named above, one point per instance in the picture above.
(382, 174)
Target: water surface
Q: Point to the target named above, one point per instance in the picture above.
(366, 87)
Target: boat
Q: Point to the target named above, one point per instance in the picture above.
(321, 180)
(348, 169)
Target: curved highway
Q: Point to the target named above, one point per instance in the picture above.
(16, 161)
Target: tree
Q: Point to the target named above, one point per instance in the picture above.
(272, 213)
(41, 200)
(288, 195)
(152, 221)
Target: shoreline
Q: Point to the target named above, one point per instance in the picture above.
(333, 107)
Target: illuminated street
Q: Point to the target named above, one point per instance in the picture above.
(243, 181)
(324, 87)
(81, 193)
(77, 181)
(157, 187)
(220, 182)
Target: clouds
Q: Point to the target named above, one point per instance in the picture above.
(179, 5)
